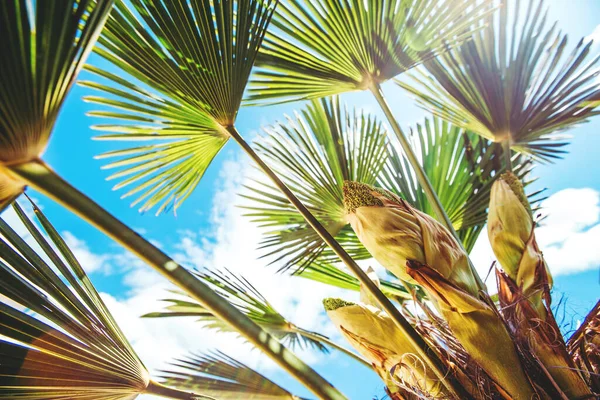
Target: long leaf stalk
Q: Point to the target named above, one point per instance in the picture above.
(158, 389)
(425, 352)
(507, 154)
(432, 197)
(41, 177)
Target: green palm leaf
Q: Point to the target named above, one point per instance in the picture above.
(521, 87)
(225, 378)
(240, 292)
(334, 276)
(314, 153)
(45, 44)
(461, 167)
(57, 338)
(326, 47)
(188, 63)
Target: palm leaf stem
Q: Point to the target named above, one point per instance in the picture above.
(41, 177)
(507, 154)
(158, 389)
(432, 197)
(326, 341)
(425, 352)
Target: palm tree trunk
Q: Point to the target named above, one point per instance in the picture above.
(41, 177)
(430, 193)
(425, 352)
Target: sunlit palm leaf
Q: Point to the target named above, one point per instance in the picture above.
(325, 47)
(223, 377)
(57, 338)
(45, 44)
(314, 153)
(248, 300)
(519, 86)
(334, 276)
(189, 62)
(461, 166)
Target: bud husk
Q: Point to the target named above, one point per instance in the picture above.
(541, 337)
(510, 231)
(526, 283)
(394, 232)
(375, 336)
(584, 346)
(480, 330)
(401, 237)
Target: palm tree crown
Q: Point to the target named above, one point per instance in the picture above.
(519, 87)
(190, 62)
(325, 47)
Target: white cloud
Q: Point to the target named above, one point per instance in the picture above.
(90, 261)
(595, 35)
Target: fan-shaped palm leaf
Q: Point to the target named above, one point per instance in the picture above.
(461, 167)
(240, 292)
(53, 20)
(192, 61)
(203, 37)
(314, 153)
(57, 338)
(326, 47)
(332, 46)
(225, 378)
(513, 87)
(45, 46)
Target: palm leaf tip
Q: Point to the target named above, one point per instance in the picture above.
(40, 71)
(519, 85)
(223, 377)
(322, 48)
(240, 292)
(314, 152)
(57, 338)
(187, 64)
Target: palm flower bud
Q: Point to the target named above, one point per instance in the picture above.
(394, 232)
(479, 328)
(375, 336)
(510, 231)
(418, 249)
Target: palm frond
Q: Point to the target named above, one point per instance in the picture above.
(222, 376)
(187, 64)
(508, 85)
(314, 153)
(57, 338)
(240, 292)
(461, 167)
(326, 47)
(330, 274)
(45, 46)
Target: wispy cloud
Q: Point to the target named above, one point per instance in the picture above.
(595, 35)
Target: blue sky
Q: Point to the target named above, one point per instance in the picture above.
(209, 231)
